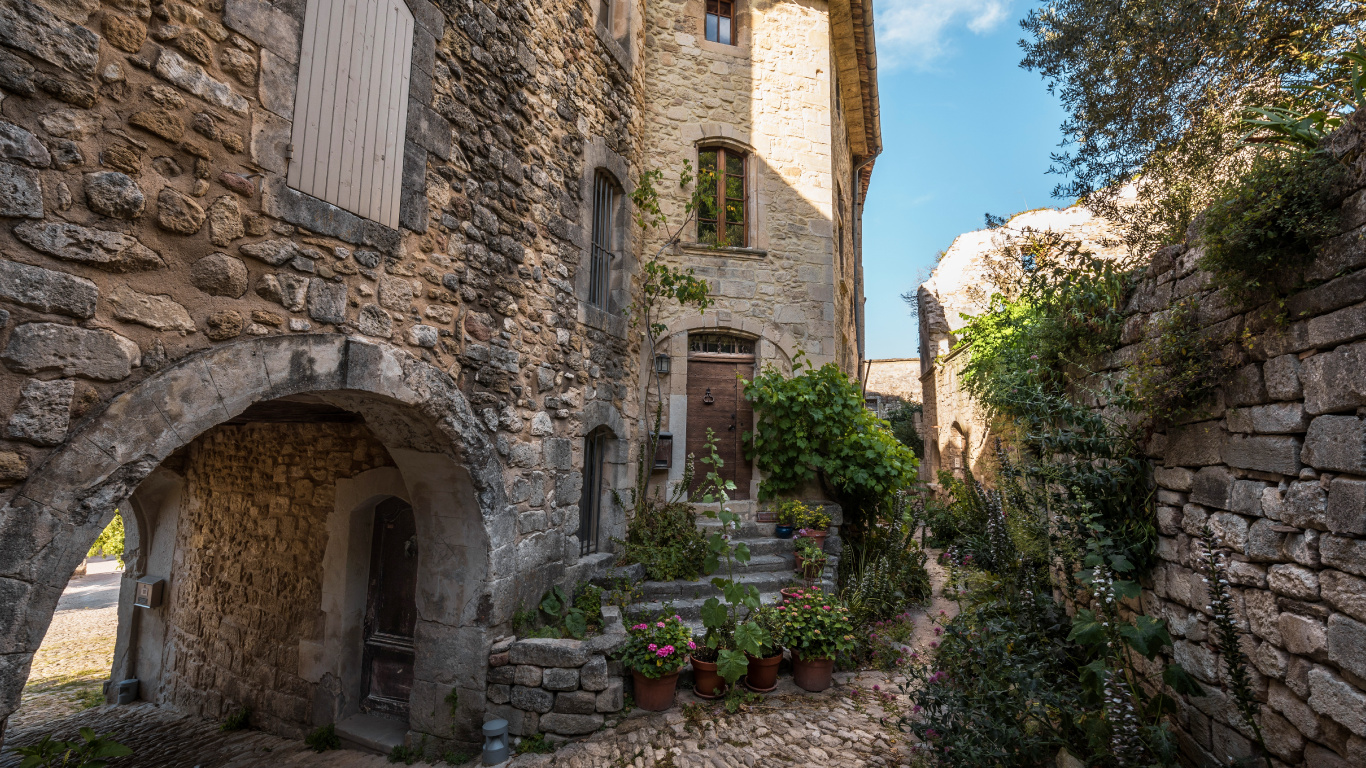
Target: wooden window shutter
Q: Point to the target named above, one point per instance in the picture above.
(351, 105)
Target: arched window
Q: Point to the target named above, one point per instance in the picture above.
(721, 180)
(606, 195)
(590, 505)
(721, 21)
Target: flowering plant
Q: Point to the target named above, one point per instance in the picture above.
(658, 648)
(814, 625)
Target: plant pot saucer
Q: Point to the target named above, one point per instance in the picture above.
(744, 680)
(711, 696)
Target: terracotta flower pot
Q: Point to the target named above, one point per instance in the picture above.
(812, 674)
(790, 593)
(819, 538)
(706, 683)
(655, 694)
(808, 568)
(762, 674)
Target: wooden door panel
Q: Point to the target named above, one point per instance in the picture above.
(727, 414)
(391, 610)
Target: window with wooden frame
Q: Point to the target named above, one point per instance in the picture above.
(606, 196)
(721, 213)
(720, 21)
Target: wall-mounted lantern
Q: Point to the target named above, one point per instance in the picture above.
(662, 364)
(664, 451)
(148, 592)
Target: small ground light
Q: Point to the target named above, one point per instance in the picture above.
(496, 749)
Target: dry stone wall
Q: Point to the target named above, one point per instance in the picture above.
(1277, 468)
(249, 566)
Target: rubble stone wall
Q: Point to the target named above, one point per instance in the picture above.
(1277, 468)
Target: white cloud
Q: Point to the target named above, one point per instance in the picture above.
(916, 32)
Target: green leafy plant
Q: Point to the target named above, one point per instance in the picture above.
(1177, 372)
(663, 537)
(323, 738)
(458, 758)
(902, 422)
(815, 625)
(883, 573)
(556, 606)
(657, 648)
(798, 515)
(535, 744)
(812, 555)
(588, 598)
(237, 721)
(91, 751)
(453, 700)
(110, 541)
(813, 426)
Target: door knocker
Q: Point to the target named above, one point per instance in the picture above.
(707, 399)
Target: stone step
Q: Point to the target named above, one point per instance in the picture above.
(765, 581)
(690, 608)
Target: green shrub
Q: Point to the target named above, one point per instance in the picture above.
(323, 738)
(663, 537)
(902, 421)
(1178, 371)
(1267, 223)
(91, 751)
(535, 744)
(237, 721)
(883, 573)
(110, 540)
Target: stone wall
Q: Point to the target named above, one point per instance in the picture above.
(246, 585)
(1277, 468)
(562, 688)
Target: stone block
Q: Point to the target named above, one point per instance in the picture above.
(102, 249)
(1246, 387)
(1230, 530)
(1305, 505)
(1169, 520)
(1212, 487)
(1333, 381)
(1263, 453)
(1343, 592)
(1302, 635)
(549, 652)
(532, 699)
(21, 195)
(43, 412)
(47, 290)
(1173, 478)
(158, 311)
(499, 694)
(504, 675)
(92, 354)
(570, 725)
(18, 144)
(576, 702)
(1198, 660)
(1282, 376)
(1336, 443)
(326, 301)
(1332, 696)
(277, 81)
(528, 675)
(1293, 581)
(1343, 553)
(1247, 574)
(35, 30)
(1246, 497)
(611, 698)
(1270, 661)
(1334, 328)
(593, 674)
(189, 76)
(265, 25)
(556, 679)
(520, 722)
(1303, 548)
(1282, 738)
(1278, 418)
(1195, 445)
(1282, 699)
(1346, 511)
(1263, 615)
(1347, 644)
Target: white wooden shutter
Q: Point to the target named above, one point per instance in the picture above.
(351, 105)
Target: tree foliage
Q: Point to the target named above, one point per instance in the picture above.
(813, 426)
(1158, 87)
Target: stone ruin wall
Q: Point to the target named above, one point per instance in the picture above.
(235, 623)
(1279, 473)
(146, 218)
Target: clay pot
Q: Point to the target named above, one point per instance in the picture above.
(819, 538)
(654, 694)
(808, 568)
(812, 674)
(782, 531)
(762, 674)
(706, 683)
(790, 593)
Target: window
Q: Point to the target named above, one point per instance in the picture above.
(351, 106)
(721, 216)
(606, 195)
(716, 343)
(721, 21)
(605, 15)
(590, 505)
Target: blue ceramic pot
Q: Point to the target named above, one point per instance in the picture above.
(782, 531)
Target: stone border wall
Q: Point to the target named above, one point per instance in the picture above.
(1277, 468)
(562, 688)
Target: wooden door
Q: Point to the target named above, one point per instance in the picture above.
(391, 610)
(716, 401)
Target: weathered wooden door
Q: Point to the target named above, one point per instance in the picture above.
(716, 401)
(391, 610)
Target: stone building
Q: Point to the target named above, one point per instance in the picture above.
(957, 432)
(891, 383)
(330, 300)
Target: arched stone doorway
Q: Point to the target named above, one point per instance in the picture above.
(406, 432)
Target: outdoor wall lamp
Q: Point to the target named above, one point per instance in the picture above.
(662, 364)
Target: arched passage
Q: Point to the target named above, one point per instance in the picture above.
(445, 467)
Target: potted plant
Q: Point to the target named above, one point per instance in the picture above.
(655, 652)
(815, 627)
(809, 557)
(707, 682)
(761, 676)
(790, 516)
(813, 524)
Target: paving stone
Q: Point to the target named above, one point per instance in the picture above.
(110, 251)
(570, 725)
(93, 354)
(43, 412)
(47, 290)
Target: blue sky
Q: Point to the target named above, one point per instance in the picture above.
(964, 131)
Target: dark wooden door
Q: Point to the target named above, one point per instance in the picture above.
(391, 610)
(716, 401)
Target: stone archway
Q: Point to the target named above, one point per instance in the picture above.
(415, 409)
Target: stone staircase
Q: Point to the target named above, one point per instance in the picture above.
(770, 568)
